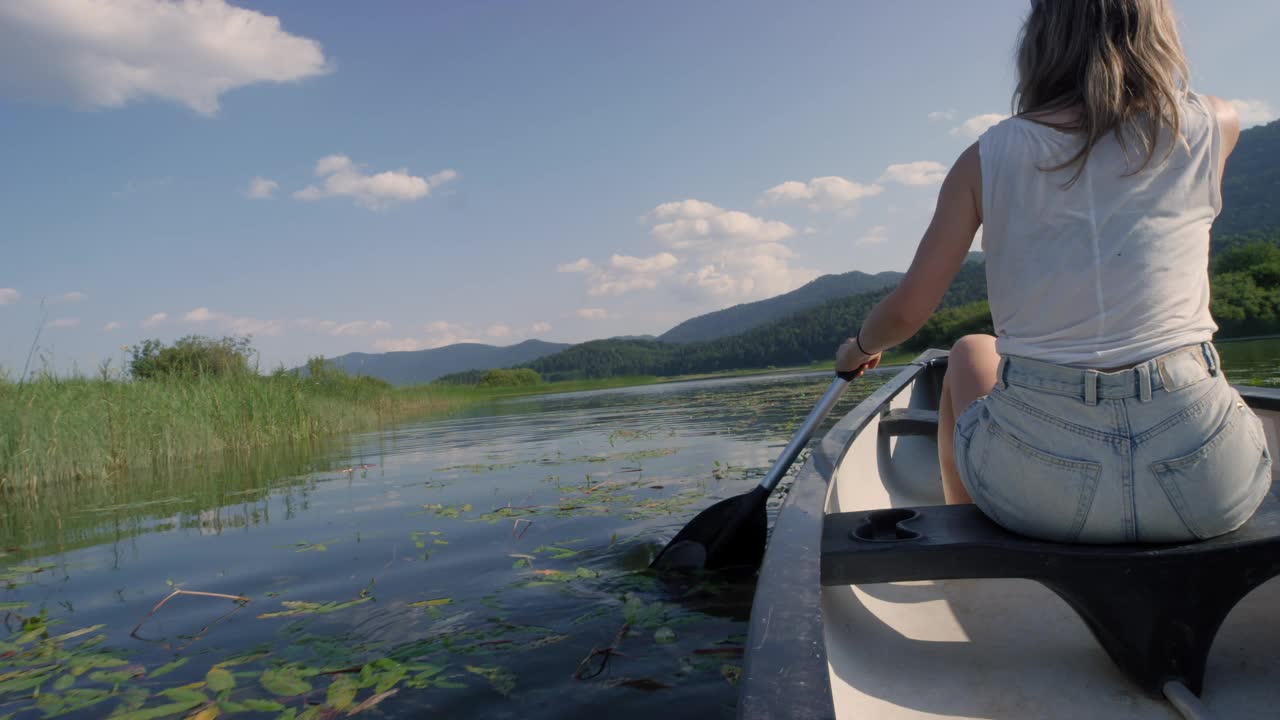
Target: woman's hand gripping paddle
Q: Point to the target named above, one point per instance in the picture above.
(732, 532)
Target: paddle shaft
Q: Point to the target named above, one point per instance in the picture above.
(811, 423)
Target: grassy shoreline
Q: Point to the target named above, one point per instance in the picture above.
(58, 429)
(78, 428)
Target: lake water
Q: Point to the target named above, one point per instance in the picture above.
(490, 564)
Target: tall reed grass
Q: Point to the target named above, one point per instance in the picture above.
(76, 428)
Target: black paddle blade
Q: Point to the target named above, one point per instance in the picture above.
(730, 533)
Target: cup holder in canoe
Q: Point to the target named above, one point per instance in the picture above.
(886, 526)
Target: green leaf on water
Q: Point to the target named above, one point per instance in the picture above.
(220, 679)
(117, 676)
(262, 705)
(167, 668)
(284, 683)
(302, 607)
(557, 553)
(664, 635)
(431, 603)
(80, 662)
(155, 713)
(502, 680)
(185, 695)
(342, 692)
(64, 682)
(244, 658)
(586, 573)
(16, 605)
(76, 633)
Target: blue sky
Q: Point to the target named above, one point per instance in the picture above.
(335, 177)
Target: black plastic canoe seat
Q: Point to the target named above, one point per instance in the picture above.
(909, 421)
(1154, 608)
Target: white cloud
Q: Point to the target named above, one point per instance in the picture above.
(877, 235)
(730, 255)
(111, 326)
(106, 53)
(343, 178)
(442, 177)
(260, 188)
(592, 313)
(231, 324)
(399, 344)
(69, 322)
(498, 330)
(435, 334)
(155, 320)
(690, 208)
(70, 297)
(541, 327)
(725, 254)
(362, 327)
(655, 263)
(1254, 112)
(579, 265)
(809, 230)
(198, 315)
(627, 273)
(9, 296)
(688, 223)
(350, 329)
(942, 115)
(921, 172)
(821, 193)
(973, 128)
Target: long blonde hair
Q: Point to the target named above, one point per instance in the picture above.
(1118, 62)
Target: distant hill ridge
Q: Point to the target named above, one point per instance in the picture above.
(743, 317)
(419, 366)
(1251, 184)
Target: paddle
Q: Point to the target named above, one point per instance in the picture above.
(732, 532)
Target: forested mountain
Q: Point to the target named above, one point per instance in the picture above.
(1251, 184)
(419, 366)
(809, 336)
(743, 317)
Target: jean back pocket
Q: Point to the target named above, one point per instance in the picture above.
(1216, 488)
(1031, 491)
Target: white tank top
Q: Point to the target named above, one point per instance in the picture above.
(1113, 270)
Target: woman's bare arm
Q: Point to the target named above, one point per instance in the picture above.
(941, 253)
(1229, 123)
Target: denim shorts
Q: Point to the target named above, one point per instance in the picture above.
(1165, 451)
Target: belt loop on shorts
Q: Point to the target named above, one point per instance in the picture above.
(1002, 373)
(1144, 382)
(1090, 387)
(1210, 357)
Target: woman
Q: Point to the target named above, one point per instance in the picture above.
(1098, 413)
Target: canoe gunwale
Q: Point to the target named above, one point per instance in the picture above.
(785, 673)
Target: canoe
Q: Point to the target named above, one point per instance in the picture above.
(994, 647)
